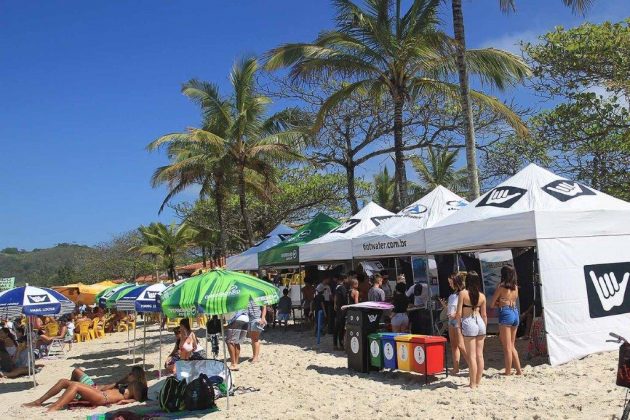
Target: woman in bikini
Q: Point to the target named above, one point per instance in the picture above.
(189, 347)
(130, 389)
(456, 281)
(504, 298)
(471, 315)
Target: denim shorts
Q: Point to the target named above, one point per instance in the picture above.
(508, 316)
(453, 323)
(255, 326)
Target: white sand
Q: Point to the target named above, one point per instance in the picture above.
(296, 381)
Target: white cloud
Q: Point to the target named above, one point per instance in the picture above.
(511, 41)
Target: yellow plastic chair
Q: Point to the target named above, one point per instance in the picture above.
(84, 331)
(96, 330)
(52, 329)
(172, 323)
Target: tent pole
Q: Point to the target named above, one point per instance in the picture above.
(160, 359)
(430, 301)
(227, 386)
(396, 267)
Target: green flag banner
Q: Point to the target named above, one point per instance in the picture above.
(287, 253)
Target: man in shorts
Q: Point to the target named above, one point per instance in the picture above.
(235, 335)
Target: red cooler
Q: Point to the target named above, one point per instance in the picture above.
(429, 354)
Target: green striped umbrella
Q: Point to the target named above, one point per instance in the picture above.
(216, 292)
(109, 298)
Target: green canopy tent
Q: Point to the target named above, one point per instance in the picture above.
(287, 253)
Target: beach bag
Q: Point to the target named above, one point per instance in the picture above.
(171, 395)
(623, 369)
(199, 394)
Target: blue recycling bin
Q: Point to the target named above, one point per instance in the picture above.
(389, 350)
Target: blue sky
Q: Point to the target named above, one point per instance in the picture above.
(84, 86)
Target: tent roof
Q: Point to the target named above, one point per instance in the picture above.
(248, 259)
(287, 253)
(533, 204)
(336, 245)
(402, 233)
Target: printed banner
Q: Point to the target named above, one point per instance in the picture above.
(491, 263)
(7, 283)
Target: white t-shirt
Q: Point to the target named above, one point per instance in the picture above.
(327, 293)
(451, 307)
(421, 300)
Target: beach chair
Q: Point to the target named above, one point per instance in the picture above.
(96, 330)
(84, 331)
(57, 348)
(172, 323)
(51, 329)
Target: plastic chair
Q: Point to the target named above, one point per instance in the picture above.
(172, 323)
(96, 330)
(84, 331)
(52, 329)
(57, 347)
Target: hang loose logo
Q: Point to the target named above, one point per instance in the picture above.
(503, 197)
(565, 190)
(606, 286)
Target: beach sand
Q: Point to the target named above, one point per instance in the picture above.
(298, 380)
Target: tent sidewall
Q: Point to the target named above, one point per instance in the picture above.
(571, 332)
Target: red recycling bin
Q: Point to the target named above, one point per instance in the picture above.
(428, 354)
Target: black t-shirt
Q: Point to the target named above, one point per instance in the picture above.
(400, 302)
(318, 302)
(341, 296)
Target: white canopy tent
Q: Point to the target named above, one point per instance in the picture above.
(403, 234)
(248, 260)
(582, 238)
(336, 245)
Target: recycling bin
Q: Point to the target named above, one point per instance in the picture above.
(376, 350)
(428, 354)
(403, 352)
(360, 322)
(388, 346)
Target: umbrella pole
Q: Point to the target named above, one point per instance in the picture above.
(207, 338)
(135, 318)
(160, 359)
(227, 386)
(144, 342)
(128, 339)
(31, 355)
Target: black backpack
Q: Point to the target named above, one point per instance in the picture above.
(199, 394)
(213, 325)
(171, 395)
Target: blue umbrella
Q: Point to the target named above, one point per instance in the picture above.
(142, 299)
(33, 301)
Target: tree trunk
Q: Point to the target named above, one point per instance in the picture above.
(204, 256)
(219, 199)
(243, 204)
(352, 193)
(400, 176)
(469, 128)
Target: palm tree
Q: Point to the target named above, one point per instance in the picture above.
(439, 169)
(198, 157)
(166, 242)
(253, 143)
(404, 56)
(462, 72)
(384, 187)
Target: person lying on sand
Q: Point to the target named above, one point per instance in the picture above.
(130, 389)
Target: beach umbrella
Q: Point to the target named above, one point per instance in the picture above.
(143, 299)
(33, 301)
(217, 292)
(109, 298)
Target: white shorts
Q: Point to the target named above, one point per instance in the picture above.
(473, 326)
(400, 320)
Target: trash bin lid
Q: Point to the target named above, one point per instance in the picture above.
(427, 339)
(374, 336)
(406, 338)
(391, 335)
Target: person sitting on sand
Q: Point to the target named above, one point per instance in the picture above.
(189, 347)
(9, 341)
(132, 388)
(20, 362)
(173, 357)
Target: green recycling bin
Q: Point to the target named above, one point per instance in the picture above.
(376, 350)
